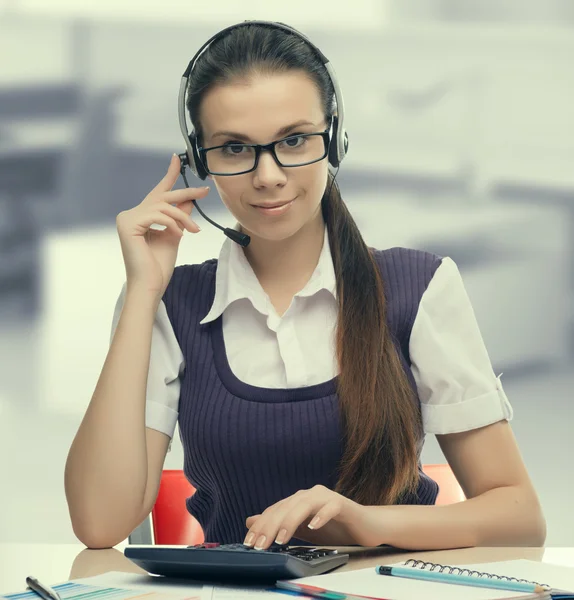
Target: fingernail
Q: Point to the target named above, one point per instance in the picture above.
(249, 539)
(260, 542)
(280, 539)
(314, 523)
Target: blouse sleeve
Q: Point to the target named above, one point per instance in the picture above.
(165, 368)
(456, 384)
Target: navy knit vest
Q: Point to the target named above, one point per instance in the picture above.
(247, 447)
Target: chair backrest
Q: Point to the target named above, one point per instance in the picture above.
(173, 524)
(449, 488)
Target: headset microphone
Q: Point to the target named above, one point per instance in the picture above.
(237, 236)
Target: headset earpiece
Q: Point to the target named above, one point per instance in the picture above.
(336, 143)
(333, 154)
(195, 163)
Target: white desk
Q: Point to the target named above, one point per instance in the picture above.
(54, 563)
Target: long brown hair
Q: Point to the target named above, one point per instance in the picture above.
(380, 421)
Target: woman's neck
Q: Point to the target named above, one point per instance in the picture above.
(287, 265)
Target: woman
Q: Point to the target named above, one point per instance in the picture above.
(304, 369)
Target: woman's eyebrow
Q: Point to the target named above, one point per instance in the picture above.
(242, 136)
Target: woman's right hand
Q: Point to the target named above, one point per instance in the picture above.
(150, 254)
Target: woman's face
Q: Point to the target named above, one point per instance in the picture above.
(259, 111)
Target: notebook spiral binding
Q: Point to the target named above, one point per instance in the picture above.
(429, 566)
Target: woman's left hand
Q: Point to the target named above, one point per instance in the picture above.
(318, 515)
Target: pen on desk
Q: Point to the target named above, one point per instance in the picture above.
(511, 586)
(42, 590)
(317, 592)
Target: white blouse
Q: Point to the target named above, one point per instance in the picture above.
(456, 385)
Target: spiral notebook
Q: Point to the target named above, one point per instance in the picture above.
(367, 583)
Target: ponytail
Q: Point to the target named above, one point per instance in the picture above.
(379, 419)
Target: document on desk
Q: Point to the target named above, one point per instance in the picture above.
(219, 592)
(121, 586)
(184, 589)
(75, 591)
(116, 585)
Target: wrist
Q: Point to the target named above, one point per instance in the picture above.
(142, 296)
(368, 525)
(142, 303)
(379, 526)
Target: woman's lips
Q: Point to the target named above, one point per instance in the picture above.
(274, 208)
(272, 204)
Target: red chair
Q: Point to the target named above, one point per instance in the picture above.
(171, 522)
(449, 488)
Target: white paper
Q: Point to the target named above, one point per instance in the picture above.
(242, 593)
(184, 588)
(369, 583)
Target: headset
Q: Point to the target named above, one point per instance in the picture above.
(338, 143)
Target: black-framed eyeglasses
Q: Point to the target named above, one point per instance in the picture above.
(235, 158)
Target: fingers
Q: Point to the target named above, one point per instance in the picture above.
(160, 218)
(323, 516)
(166, 184)
(169, 179)
(250, 520)
(184, 195)
(279, 523)
(180, 216)
(277, 526)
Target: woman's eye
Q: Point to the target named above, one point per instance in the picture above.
(294, 141)
(233, 148)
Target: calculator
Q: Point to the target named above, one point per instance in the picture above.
(235, 562)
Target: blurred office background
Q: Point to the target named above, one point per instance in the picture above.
(461, 131)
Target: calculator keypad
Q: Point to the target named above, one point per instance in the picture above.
(306, 553)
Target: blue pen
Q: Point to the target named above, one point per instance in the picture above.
(512, 586)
